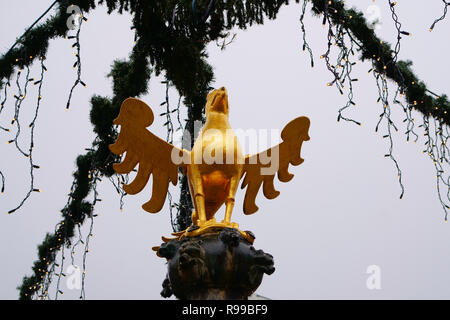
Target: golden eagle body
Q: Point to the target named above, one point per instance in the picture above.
(214, 166)
(214, 181)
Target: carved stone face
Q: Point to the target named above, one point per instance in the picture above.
(217, 101)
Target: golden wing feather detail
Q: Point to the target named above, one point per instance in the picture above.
(260, 169)
(153, 154)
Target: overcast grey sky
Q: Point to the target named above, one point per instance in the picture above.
(340, 213)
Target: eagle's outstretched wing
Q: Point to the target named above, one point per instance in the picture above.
(261, 168)
(153, 154)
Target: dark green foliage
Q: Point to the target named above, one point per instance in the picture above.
(102, 115)
(172, 37)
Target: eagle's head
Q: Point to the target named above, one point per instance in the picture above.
(217, 101)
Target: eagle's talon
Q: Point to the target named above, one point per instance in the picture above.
(193, 228)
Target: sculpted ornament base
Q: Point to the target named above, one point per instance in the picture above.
(219, 265)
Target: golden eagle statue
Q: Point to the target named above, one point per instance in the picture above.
(214, 166)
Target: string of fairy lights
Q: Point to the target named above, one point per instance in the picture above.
(41, 289)
(167, 114)
(383, 97)
(436, 145)
(70, 237)
(409, 120)
(383, 93)
(20, 96)
(225, 42)
(169, 139)
(118, 180)
(77, 63)
(431, 150)
(342, 69)
(437, 138)
(2, 106)
(305, 42)
(56, 269)
(444, 14)
(2, 176)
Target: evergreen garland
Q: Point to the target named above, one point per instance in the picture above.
(171, 37)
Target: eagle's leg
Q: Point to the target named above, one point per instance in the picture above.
(194, 218)
(229, 202)
(198, 195)
(199, 199)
